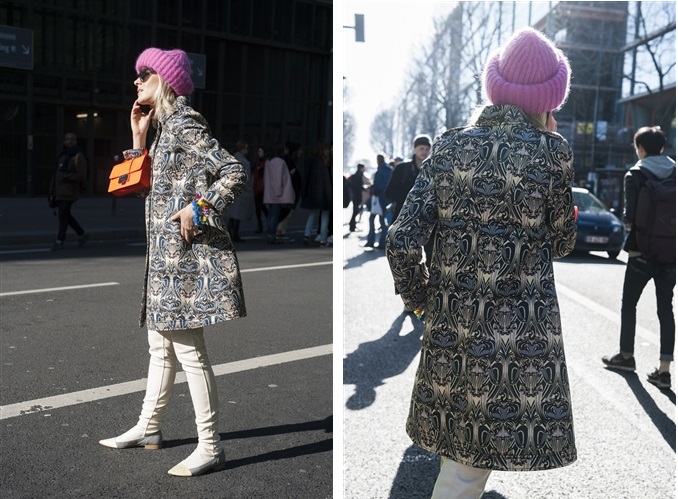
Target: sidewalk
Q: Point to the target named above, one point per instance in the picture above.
(28, 220)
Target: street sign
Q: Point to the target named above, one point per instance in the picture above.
(16, 47)
(198, 63)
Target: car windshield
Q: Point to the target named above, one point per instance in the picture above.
(588, 202)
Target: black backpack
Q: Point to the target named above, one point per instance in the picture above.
(655, 220)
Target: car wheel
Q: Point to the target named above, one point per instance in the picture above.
(613, 254)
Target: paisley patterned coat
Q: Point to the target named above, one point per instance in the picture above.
(491, 390)
(189, 285)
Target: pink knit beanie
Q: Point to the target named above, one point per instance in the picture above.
(172, 65)
(528, 72)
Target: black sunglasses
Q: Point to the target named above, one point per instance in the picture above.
(144, 74)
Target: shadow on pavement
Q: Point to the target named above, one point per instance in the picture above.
(374, 361)
(300, 450)
(417, 476)
(666, 427)
(368, 255)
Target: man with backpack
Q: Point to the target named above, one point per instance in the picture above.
(650, 218)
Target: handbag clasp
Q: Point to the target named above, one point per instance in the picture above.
(123, 178)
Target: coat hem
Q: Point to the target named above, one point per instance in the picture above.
(167, 326)
(562, 461)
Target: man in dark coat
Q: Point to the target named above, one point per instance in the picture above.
(70, 175)
(402, 180)
(404, 174)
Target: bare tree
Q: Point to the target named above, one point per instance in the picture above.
(442, 91)
(651, 55)
(382, 132)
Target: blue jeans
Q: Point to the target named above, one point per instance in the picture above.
(324, 223)
(638, 273)
(372, 234)
(272, 218)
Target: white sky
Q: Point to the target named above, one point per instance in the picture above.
(373, 70)
(394, 31)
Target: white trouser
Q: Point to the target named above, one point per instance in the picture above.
(458, 481)
(188, 348)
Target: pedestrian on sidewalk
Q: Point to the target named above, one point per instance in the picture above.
(491, 390)
(642, 266)
(278, 191)
(316, 193)
(402, 180)
(357, 184)
(379, 183)
(405, 173)
(192, 276)
(258, 188)
(293, 153)
(70, 176)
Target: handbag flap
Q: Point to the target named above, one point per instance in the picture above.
(128, 167)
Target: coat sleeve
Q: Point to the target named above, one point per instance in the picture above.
(560, 220)
(408, 234)
(228, 174)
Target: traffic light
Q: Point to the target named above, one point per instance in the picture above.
(359, 28)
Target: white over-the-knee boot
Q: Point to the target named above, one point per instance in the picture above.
(458, 481)
(192, 354)
(159, 386)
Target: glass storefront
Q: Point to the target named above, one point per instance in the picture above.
(267, 73)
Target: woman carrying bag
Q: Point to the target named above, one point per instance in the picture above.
(192, 278)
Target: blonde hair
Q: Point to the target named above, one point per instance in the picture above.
(164, 100)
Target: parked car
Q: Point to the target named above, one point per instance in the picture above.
(598, 229)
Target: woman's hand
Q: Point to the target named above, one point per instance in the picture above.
(185, 218)
(140, 121)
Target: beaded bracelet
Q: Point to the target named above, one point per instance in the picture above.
(200, 211)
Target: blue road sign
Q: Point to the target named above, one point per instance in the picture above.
(16, 47)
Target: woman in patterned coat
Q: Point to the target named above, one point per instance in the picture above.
(192, 277)
(491, 390)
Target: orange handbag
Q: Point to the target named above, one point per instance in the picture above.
(130, 176)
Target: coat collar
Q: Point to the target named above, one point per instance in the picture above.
(501, 115)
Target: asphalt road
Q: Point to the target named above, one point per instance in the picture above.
(624, 427)
(83, 348)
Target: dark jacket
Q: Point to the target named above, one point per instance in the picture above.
(662, 167)
(316, 190)
(70, 175)
(357, 183)
(402, 180)
(381, 182)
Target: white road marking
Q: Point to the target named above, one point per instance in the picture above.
(63, 288)
(82, 286)
(283, 267)
(614, 317)
(104, 392)
(13, 252)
